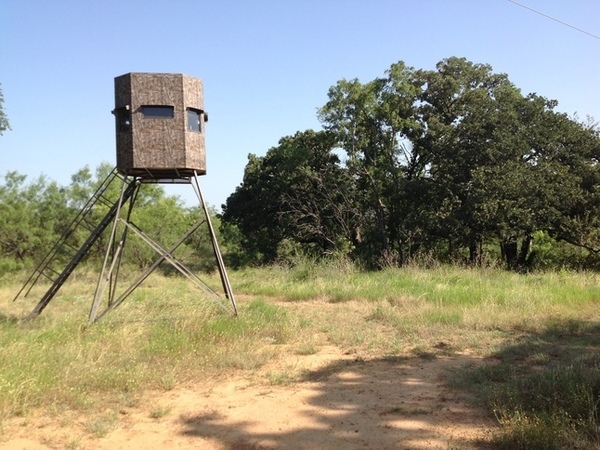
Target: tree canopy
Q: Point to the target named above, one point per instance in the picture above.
(4, 124)
(450, 162)
(298, 192)
(35, 214)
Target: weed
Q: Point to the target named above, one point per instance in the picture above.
(73, 444)
(280, 378)
(102, 424)
(159, 412)
(551, 405)
(167, 382)
(306, 348)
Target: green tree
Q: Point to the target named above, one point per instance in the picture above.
(565, 161)
(35, 215)
(450, 161)
(4, 124)
(31, 216)
(549, 183)
(373, 123)
(458, 155)
(470, 113)
(296, 192)
(163, 218)
(253, 210)
(200, 247)
(15, 218)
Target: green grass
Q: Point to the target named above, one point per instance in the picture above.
(159, 412)
(59, 359)
(543, 388)
(539, 334)
(100, 425)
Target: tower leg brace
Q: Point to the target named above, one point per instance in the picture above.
(109, 274)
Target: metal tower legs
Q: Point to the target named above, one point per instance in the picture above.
(215, 244)
(110, 270)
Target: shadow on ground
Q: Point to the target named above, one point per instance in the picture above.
(437, 400)
(384, 403)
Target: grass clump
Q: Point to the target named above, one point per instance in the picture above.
(159, 412)
(555, 408)
(100, 425)
(544, 389)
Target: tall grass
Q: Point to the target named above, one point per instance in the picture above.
(539, 331)
(161, 336)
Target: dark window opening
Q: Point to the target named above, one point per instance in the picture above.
(193, 120)
(123, 117)
(158, 111)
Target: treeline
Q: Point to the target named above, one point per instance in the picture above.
(35, 214)
(447, 165)
(452, 164)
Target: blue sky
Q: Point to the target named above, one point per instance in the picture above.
(266, 65)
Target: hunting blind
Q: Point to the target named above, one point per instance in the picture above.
(160, 125)
(160, 122)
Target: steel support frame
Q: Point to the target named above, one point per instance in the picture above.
(109, 274)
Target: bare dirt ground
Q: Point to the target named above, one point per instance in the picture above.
(339, 401)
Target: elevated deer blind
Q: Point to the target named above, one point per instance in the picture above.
(160, 125)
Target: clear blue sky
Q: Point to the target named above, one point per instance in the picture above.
(266, 65)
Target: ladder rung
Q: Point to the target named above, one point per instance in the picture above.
(72, 247)
(52, 276)
(105, 201)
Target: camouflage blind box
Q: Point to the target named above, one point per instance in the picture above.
(160, 125)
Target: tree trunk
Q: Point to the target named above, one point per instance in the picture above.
(475, 253)
(525, 250)
(508, 248)
(514, 257)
